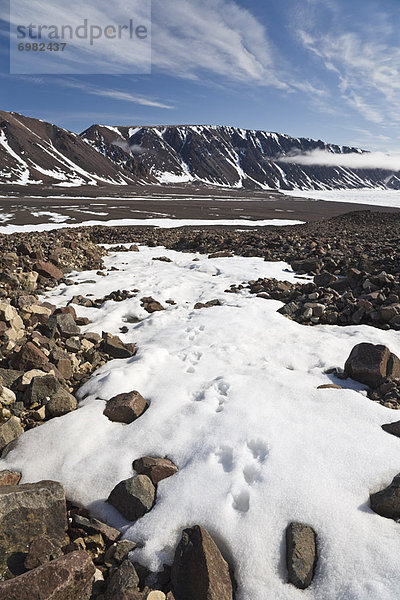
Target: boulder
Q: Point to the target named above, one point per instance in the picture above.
(155, 468)
(114, 347)
(133, 497)
(199, 571)
(10, 477)
(9, 376)
(63, 324)
(29, 357)
(387, 501)
(67, 578)
(48, 270)
(27, 512)
(41, 389)
(123, 583)
(61, 403)
(125, 408)
(10, 431)
(371, 364)
(301, 554)
(41, 551)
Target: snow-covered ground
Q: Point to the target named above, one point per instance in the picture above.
(165, 223)
(375, 197)
(234, 403)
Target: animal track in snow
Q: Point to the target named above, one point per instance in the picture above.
(245, 466)
(214, 392)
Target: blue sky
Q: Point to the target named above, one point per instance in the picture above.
(327, 69)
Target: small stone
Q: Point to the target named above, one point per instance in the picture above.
(118, 552)
(7, 397)
(10, 477)
(329, 386)
(133, 497)
(155, 468)
(125, 408)
(92, 525)
(155, 595)
(301, 554)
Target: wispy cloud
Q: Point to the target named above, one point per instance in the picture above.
(113, 94)
(352, 160)
(217, 37)
(364, 57)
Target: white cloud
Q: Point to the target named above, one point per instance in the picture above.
(365, 61)
(353, 160)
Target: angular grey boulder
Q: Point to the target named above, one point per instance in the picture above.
(133, 497)
(301, 554)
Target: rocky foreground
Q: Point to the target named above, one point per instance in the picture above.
(50, 549)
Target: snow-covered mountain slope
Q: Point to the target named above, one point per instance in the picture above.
(227, 156)
(35, 152)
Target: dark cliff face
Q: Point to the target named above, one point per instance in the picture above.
(35, 152)
(226, 156)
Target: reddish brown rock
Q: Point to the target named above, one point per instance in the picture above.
(125, 408)
(371, 364)
(29, 357)
(114, 347)
(393, 428)
(10, 477)
(67, 578)
(41, 551)
(199, 571)
(48, 270)
(156, 469)
(387, 501)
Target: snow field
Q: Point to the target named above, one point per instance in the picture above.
(233, 402)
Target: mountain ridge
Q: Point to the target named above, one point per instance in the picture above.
(33, 152)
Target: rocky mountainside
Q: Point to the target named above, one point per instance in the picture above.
(35, 152)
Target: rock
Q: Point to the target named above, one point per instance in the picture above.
(10, 431)
(208, 304)
(155, 468)
(61, 403)
(125, 408)
(41, 551)
(7, 397)
(27, 512)
(29, 357)
(301, 554)
(199, 571)
(91, 526)
(123, 583)
(387, 502)
(41, 389)
(371, 364)
(48, 270)
(150, 305)
(10, 477)
(10, 315)
(155, 595)
(27, 377)
(329, 386)
(221, 254)
(63, 324)
(114, 347)
(9, 376)
(67, 578)
(133, 497)
(393, 428)
(118, 552)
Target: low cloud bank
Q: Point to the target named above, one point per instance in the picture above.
(353, 160)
